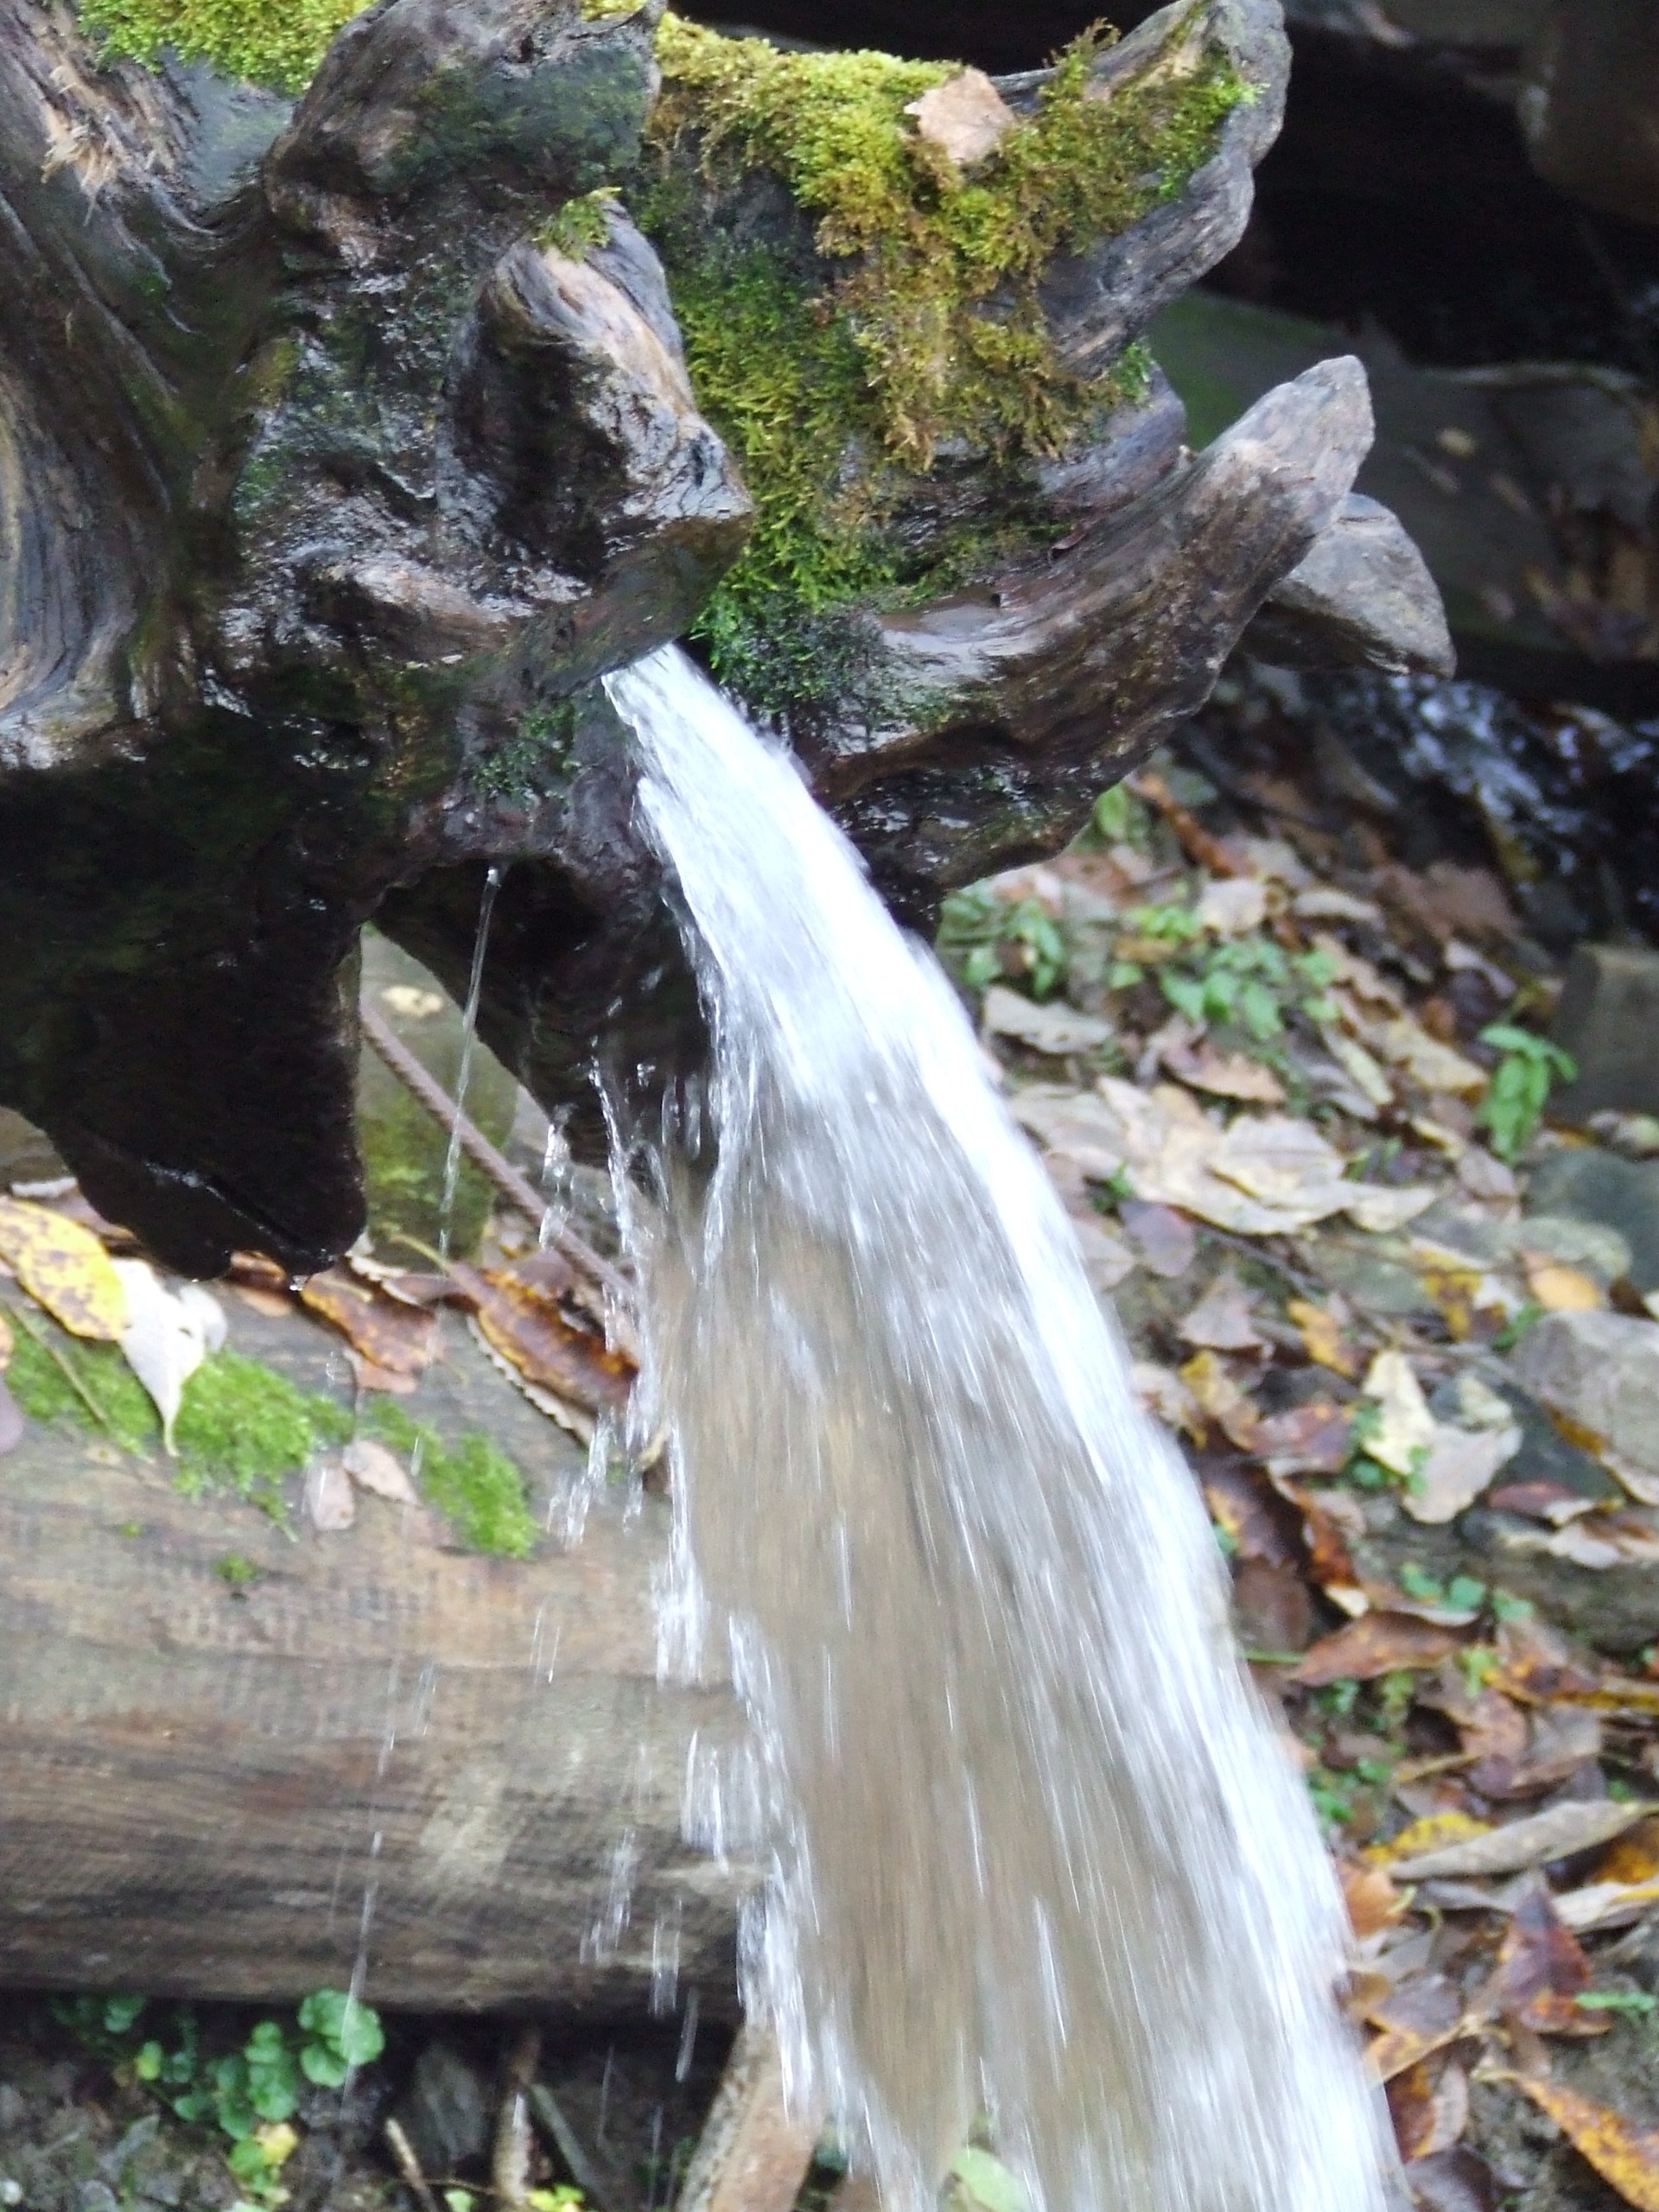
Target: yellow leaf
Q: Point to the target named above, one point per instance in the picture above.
(1627, 2156)
(1429, 1833)
(1321, 1336)
(278, 2141)
(1561, 1290)
(65, 1268)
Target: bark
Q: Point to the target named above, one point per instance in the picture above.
(329, 492)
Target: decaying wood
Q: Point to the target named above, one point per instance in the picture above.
(465, 1766)
(754, 2150)
(332, 488)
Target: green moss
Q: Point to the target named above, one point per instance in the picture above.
(270, 44)
(581, 224)
(44, 1359)
(539, 752)
(473, 1483)
(930, 329)
(243, 1428)
(241, 1425)
(937, 273)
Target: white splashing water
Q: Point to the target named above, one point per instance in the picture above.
(1032, 1848)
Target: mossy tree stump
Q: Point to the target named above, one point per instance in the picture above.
(345, 443)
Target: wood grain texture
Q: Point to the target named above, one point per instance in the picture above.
(201, 1794)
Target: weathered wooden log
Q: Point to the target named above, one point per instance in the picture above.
(232, 1762)
(343, 446)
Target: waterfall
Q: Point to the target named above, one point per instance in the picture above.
(1032, 1848)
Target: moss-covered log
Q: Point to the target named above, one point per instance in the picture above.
(345, 444)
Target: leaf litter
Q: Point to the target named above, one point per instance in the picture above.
(1318, 1095)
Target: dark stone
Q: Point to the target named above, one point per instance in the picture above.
(444, 2112)
(1608, 1018)
(1598, 1186)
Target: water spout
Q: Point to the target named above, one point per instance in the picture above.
(1033, 1849)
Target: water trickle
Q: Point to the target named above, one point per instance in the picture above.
(1031, 1848)
(463, 1073)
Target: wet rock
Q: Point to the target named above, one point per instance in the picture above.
(1589, 103)
(1608, 1019)
(1597, 1188)
(444, 2111)
(1601, 1371)
(1362, 596)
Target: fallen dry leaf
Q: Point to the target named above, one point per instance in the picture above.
(1634, 1857)
(966, 118)
(1167, 1398)
(1165, 1238)
(1416, 2018)
(1232, 906)
(1623, 2154)
(522, 1319)
(1322, 1338)
(1428, 1833)
(1241, 1504)
(1376, 1644)
(1310, 1439)
(64, 1267)
(372, 1467)
(1405, 1430)
(1272, 1608)
(394, 1337)
(1461, 1464)
(1217, 1393)
(1221, 1321)
(1428, 2103)
(168, 1336)
(1372, 1900)
(1558, 1833)
(1454, 2180)
(1053, 1027)
(1541, 1968)
(1230, 1074)
(329, 1506)
(1561, 1289)
(1607, 1904)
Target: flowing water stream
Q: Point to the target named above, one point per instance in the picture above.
(1033, 1850)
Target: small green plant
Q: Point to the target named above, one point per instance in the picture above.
(249, 2094)
(1119, 817)
(988, 940)
(1631, 2004)
(1247, 984)
(1519, 1090)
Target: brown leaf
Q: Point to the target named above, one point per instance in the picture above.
(966, 118)
(526, 1324)
(1231, 1075)
(1376, 1644)
(1623, 2154)
(394, 1337)
(1428, 2104)
(1165, 1238)
(1222, 1319)
(1372, 1900)
(1455, 2180)
(1311, 1439)
(1272, 1608)
(1541, 1968)
(1418, 2017)
(1561, 1289)
(1536, 1663)
(372, 1467)
(1242, 1504)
